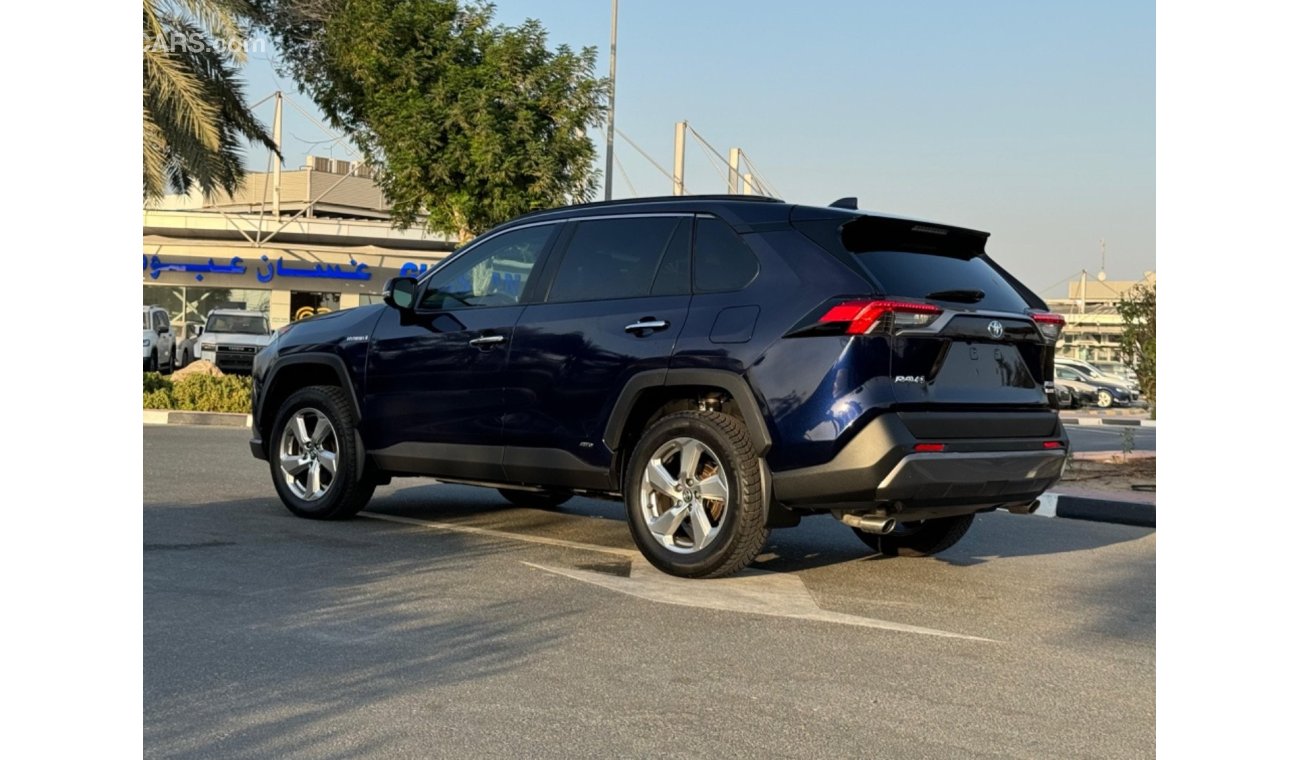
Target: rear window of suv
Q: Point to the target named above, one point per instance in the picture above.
(917, 269)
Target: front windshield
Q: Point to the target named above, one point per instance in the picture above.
(237, 323)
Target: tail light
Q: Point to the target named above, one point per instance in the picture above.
(1050, 325)
(864, 317)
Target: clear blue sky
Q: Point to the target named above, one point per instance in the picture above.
(1033, 121)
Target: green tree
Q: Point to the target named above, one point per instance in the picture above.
(195, 116)
(1138, 342)
(468, 123)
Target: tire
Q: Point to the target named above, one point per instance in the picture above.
(535, 499)
(324, 496)
(153, 361)
(1104, 399)
(725, 494)
(919, 539)
(185, 358)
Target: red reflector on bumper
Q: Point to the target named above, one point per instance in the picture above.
(929, 447)
(1051, 444)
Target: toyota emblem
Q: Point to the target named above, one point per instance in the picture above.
(995, 329)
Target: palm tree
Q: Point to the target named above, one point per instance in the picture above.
(194, 111)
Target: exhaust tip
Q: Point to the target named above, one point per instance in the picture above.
(870, 524)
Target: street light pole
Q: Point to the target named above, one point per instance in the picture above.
(609, 131)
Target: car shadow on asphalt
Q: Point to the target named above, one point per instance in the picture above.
(818, 541)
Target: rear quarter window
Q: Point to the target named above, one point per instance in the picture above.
(722, 260)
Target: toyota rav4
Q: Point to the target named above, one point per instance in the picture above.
(722, 364)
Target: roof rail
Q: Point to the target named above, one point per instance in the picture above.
(657, 199)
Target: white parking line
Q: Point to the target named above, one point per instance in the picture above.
(753, 591)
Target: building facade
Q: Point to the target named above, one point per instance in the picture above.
(1093, 325)
(330, 246)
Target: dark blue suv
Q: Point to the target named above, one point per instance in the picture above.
(722, 364)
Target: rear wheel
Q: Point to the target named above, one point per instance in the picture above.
(918, 539)
(695, 498)
(1104, 399)
(315, 460)
(535, 499)
(153, 361)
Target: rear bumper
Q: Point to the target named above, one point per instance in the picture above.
(880, 471)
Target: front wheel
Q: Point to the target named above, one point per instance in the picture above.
(535, 499)
(696, 504)
(918, 539)
(315, 460)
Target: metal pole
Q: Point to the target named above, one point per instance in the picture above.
(275, 171)
(679, 160)
(733, 171)
(609, 132)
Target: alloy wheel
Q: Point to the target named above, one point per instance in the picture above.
(683, 495)
(309, 451)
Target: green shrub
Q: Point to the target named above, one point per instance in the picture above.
(156, 382)
(200, 393)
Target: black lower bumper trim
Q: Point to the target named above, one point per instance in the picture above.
(879, 466)
(258, 448)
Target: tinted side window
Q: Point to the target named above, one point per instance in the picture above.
(492, 274)
(674, 277)
(722, 260)
(158, 321)
(613, 258)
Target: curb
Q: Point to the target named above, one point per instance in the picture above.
(217, 419)
(1097, 510)
(1094, 421)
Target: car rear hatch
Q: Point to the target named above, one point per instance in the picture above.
(970, 347)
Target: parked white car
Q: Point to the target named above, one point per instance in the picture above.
(1093, 373)
(232, 337)
(159, 343)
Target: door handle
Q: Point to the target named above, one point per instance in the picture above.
(648, 323)
(487, 340)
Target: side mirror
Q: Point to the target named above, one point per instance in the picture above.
(164, 329)
(399, 293)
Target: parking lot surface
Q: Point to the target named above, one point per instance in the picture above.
(446, 623)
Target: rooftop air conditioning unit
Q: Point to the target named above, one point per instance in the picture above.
(319, 163)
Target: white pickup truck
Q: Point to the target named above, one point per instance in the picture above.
(232, 337)
(159, 342)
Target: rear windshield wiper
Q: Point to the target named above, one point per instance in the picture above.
(964, 296)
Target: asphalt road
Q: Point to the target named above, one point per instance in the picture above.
(441, 627)
(1109, 437)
